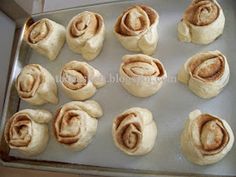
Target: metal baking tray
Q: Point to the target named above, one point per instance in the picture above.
(170, 106)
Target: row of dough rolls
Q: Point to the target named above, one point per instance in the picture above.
(136, 29)
(205, 73)
(85, 33)
(141, 75)
(74, 125)
(79, 81)
(205, 139)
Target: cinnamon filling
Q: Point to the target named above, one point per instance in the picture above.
(38, 31)
(135, 67)
(130, 136)
(207, 68)
(67, 126)
(129, 131)
(74, 79)
(75, 75)
(135, 20)
(29, 81)
(213, 136)
(86, 24)
(18, 132)
(202, 12)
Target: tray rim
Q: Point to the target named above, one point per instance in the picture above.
(11, 161)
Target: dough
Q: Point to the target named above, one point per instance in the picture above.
(46, 37)
(36, 85)
(136, 29)
(202, 22)
(134, 131)
(75, 123)
(206, 73)
(27, 131)
(85, 34)
(80, 80)
(206, 139)
(141, 75)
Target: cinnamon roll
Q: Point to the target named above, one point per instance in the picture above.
(27, 131)
(85, 34)
(134, 131)
(141, 75)
(36, 85)
(206, 73)
(206, 139)
(46, 37)
(203, 21)
(75, 123)
(80, 80)
(136, 29)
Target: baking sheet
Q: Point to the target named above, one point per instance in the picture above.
(8, 31)
(170, 106)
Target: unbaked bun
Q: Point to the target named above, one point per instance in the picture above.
(134, 131)
(203, 21)
(27, 131)
(205, 73)
(142, 75)
(206, 139)
(136, 29)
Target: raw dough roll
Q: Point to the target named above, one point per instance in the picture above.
(134, 131)
(27, 131)
(203, 21)
(80, 80)
(206, 73)
(136, 29)
(75, 123)
(141, 75)
(36, 85)
(85, 34)
(206, 139)
(46, 37)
